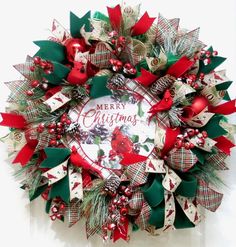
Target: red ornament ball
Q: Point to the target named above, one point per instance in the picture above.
(73, 46)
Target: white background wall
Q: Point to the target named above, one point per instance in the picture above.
(23, 21)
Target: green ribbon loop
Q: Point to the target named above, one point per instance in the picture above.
(77, 23)
(157, 216)
(171, 59)
(50, 50)
(55, 156)
(154, 195)
(99, 87)
(188, 186)
(100, 16)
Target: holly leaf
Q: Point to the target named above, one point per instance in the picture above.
(140, 110)
(97, 140)
(134, 138)
(215, 62)
(149, 140)
(50, 50)
(125, 98)
(59, 72)
(100, 152)
(48, 206)
(77, 23)
(145, 147)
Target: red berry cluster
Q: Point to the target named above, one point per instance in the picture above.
(205, 56)
(118, 42)
(45, 65)
(118, 66)
(57, 210)
(118, 209)
(184, 140)
(55, 129)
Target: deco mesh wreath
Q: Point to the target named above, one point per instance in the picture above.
(119, 121)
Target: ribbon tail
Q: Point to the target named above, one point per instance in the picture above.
(25, 154)
(76, 184)
(225, 109)
(180, 67)
(121, 231)
(143, 25)
(224, 144)
(115, 17)
(146, 78)
(12, 120)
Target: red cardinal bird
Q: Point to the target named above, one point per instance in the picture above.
(163, 105)
(50, 176)
(76, 184)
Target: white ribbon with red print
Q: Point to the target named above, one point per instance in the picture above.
(57, 101)
(75, 178)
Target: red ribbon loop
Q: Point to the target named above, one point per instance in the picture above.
(115, 17)
(131, 158)
(180, 67)
(12, 120)
(170, 139)
(143, 25)
(25, 154)
(146, 78)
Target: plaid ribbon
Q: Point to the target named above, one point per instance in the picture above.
(217, 161)
(162, 117)
(101, 56)
(90, 231)
(181, 159)
(142, 219)
(43, 140)
(137, 174)
(166, 28)
(73, 212)
(207, 197)
(24, 69)
(188, 43)
(18, 89)
(136, 201)
(32, 111)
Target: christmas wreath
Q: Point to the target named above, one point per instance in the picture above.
(119, 120)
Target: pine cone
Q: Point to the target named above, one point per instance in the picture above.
(78, 95)
(159, 86)
(112, 183)
(101, 131)
(117, 80)
(72, 129)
